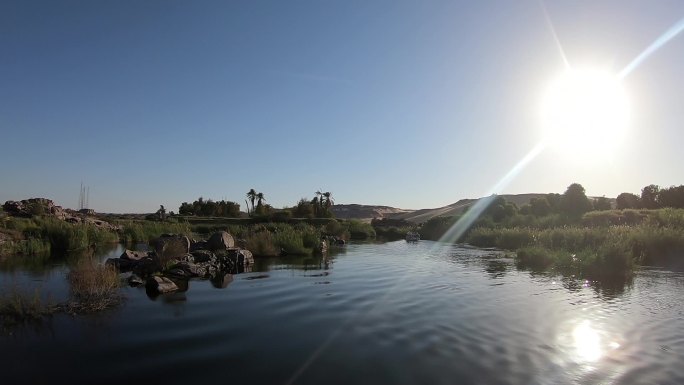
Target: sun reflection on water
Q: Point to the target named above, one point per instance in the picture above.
(587, 342)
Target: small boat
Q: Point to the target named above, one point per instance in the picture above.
(412, 236)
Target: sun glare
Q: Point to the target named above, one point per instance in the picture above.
(585, 113)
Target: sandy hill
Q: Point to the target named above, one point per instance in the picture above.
(365, 212)
(368, 212)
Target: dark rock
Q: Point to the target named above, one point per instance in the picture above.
(221, 240)
(189, 269)
(135, 280)
(198, 245)
(121, 264)
(146, 266)
(202, 256)
(171, 246)
(160, 285)
(222, 281)
(178, 272)
(134, 255)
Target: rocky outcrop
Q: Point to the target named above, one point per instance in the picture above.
(171, 246)
(35, 206)
(29, 208)
(220, 241)
(173, 261)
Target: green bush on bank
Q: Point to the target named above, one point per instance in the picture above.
(359, 230)
(39, 235)
(144, 231)
(276, 239)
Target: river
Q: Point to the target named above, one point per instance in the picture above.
(390, 313)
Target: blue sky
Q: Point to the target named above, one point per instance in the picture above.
(412, 104)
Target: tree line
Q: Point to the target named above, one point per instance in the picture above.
(210, 208)
(652, 197)
(573, 203)
(318, 207)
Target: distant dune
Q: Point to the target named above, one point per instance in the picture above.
(368, 212)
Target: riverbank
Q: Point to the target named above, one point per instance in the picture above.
(597, 245)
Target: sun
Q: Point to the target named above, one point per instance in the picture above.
(585, 113)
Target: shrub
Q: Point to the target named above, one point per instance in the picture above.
(262, 244)
(483, 237)
(94, 287)
(537, 258)
(512, 239)
(18, 308)
(360, 230)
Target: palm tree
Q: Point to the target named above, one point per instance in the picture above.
(260, 197)
(251, 195)
(316, 207)
(319, 194)
(328, 200)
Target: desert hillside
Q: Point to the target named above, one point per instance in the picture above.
(368, 212)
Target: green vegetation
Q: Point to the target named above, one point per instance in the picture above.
(392, 229)
(281, 239)
(359, 230)
(93, 288)
(42, 235)
(143, 231)
(561, 232)
(209, 208)
(20, 308)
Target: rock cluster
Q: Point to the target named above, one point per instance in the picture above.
(34, 206)
(28, 208)
(176, 259)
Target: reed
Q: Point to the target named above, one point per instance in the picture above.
(94, 287)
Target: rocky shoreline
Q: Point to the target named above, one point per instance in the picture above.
(175, 259)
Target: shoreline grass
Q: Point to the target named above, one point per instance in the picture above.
(93, 288)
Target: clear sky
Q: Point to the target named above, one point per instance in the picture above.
(412, 104)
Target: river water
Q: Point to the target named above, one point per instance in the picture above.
(392, 313)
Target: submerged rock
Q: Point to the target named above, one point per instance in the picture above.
(134, 255)
(222, 281)
(160, 285)
(135, 280)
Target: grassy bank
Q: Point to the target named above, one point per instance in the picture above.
(93, 287)
(596, 246)
(43, 235)
(142, 231)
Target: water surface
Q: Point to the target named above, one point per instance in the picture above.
(394, 313)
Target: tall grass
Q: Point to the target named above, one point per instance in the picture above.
(360, 230)
(40, 235)
(597, 251)
(275, 239)
(17, 308)
(67, 237)
(93, 286)
(144, 231)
